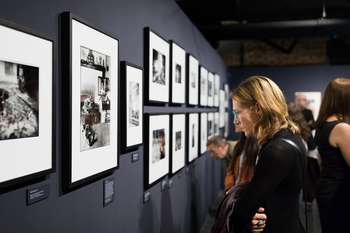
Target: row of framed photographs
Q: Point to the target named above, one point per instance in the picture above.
(89, 90)
(174, 140)
(176, 77)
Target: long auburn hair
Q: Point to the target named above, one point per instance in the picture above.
(335, 101)
(269, 97)
(248, 148)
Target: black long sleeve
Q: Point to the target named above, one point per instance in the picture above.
(275, 186)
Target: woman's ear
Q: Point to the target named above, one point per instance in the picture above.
(258, 109)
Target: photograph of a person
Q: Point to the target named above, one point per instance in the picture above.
(192, 140)
(19, 106)
(158, 145)
(95, 99)
(158, 67)
(134, 105)
(178, 145)
(193, 79)
(210, 88)
(177, 73)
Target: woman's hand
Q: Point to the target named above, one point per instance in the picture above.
(258, 222)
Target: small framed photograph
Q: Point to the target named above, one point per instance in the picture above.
(227, 95)
(90, 61)
(26, 76)
(178, 142)
(156, 67)
(210, 124)
(216, 123)
(216, 90)
(192, 79)
(177, 73)
(131, 104)
(193, 148)
(204, 132)
(227, 125)
(156, 148)
(223, 100)
(210, 89)
(203, 86)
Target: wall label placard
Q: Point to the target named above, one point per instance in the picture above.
(37, 194)
(108, 192)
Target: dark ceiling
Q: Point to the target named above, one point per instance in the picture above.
(264, 19)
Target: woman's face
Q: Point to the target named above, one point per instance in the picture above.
(245, 118)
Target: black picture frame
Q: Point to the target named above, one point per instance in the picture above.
(192, 93)
(13, 32)
(203, 86)
(192, 139)
(155, 93)
(67, 45)
(175, 123)
(180, 91)
(124, 107)
(149, 179)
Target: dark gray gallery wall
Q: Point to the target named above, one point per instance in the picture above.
(291, 79)
(183, 207)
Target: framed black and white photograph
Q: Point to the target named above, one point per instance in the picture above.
(90, 61)
(203, 132)
(227, 95)
(26, 76)
(193, 130)
(177, 73)
(216, 123)
(210, 124)
(223, 100)
(210, 89)
(192, 79)
(216, 90)
(227, 125)
(156, 148)
(178, 142)
(203, 86)
(131, 105)
(156, 67)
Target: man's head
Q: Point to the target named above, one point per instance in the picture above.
(217, 147)
(300, 100)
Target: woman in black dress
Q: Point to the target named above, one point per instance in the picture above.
(333, 141)
(262, 110)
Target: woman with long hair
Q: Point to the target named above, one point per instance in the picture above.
(333, 141)
(277, 180)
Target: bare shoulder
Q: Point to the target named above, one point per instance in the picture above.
(340, 133)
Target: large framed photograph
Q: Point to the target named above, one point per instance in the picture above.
(131, 105)
(216, 90)
(26, 76)
(156, 148)
(210, 89)
(203, 132)
(192, 79)
(156, 66)
(203, 86)
(210, 124)
(178, 142)
(177, 73)
(90, 61)
(193, 147)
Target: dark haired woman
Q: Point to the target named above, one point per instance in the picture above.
(333, 141)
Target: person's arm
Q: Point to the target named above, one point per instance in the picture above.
(275, 163)
(340, 137)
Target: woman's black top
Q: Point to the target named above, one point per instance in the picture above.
(333, 188)
(275, 186)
